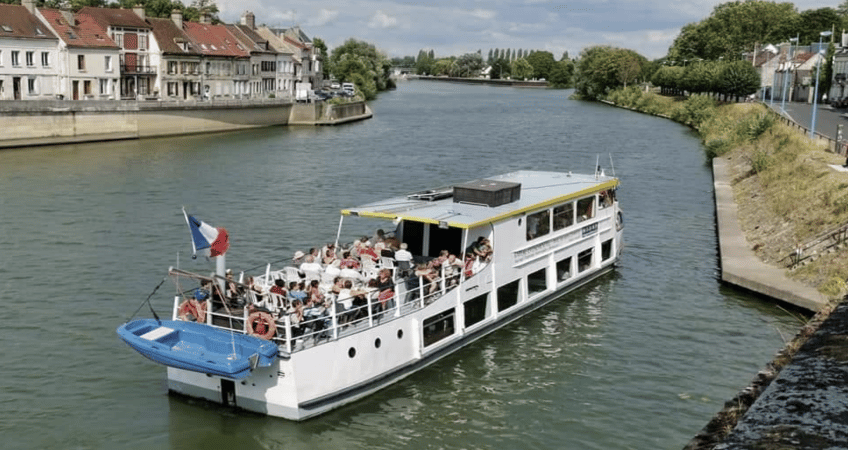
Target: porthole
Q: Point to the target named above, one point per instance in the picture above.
(400, 334)
(377, 343)
(351, 352)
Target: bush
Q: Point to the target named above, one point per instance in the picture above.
(717, 147)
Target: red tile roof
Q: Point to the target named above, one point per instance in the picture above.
(169, 37)
(295, 43)
(17, 22)
(114, 17)
(215, 40)
(85, 33)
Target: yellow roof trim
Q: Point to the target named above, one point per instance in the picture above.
(571, 196)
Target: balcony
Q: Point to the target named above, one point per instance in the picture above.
(137, 69)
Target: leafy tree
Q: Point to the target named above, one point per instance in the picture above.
(361, 63)
(814, 21)
(738, 79)
(826, 75)
(500, 69)
(521, 69)
(602, 68)
(442, 66)
(424, 63)
(542, 62)
(489, 59)
(734, 27)
(565, 54)
(319, 44)
(467, 65)
(561, 74)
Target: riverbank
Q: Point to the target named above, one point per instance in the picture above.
(38, 123)
(798, 399)
(513, 83)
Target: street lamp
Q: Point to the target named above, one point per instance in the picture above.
(816, 97)
(785, 73)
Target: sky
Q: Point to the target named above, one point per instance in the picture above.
(455, 27)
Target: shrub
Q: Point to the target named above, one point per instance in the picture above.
(717, 147)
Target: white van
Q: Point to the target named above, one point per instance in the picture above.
(349, 87)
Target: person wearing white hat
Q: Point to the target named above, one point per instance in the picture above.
(298, 255)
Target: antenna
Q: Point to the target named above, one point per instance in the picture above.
(612, 166)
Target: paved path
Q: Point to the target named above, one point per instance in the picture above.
(739, 265)
(827, 118)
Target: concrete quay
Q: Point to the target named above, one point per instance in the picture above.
(740, 266)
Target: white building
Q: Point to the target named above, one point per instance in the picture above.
(28, 54)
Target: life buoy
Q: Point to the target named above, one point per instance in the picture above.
(193, 307)
(261, 324)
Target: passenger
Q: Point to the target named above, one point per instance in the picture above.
(379, 236)
(349, 262)
(429, 278)
(468, 266)
(313, 292)
(367, 252)
(486, 250)
(338, 285)
(298, 258)
(295, 313)
(310, 266)
(332, 271)
(279, 299)
(316, 254)
(436, 263)
(296, 291)
(404, 260)
(329, 254)
(476, 247)
(452, 270)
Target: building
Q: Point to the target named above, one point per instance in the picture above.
(87, 58)
(226, 62)
(132, 34)
(285, 61)
(263, 58)
(28, 54)
(177, 58)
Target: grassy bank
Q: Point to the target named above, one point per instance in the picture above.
(785, 191)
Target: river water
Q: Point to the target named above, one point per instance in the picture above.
(640, 359)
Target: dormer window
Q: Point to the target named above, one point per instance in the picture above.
(7, 28)
(38, 31)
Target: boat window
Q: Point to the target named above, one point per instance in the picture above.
(438, 327)
(538, 224)
(563, 269)
(564, 216)
(584, 259)
(606, 198)
(606, 250)
(507, 295)
(585, 208)
(476, 309)
(537, 282)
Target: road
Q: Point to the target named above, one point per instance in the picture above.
(827, 118)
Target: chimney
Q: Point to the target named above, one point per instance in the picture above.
(68, 16)
(205, 18)
(29, 5)
(249, 20)
(139, 11)
(177, 18)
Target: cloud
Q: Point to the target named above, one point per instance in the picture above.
(325, 16)
(486, 14)
(382, 20)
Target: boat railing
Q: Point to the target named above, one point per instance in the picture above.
(292, 331)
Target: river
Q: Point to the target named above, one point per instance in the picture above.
(639, 359)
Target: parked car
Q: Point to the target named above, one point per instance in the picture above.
(335, 85)
(349, 87)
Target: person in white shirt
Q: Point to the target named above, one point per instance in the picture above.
(404, 258)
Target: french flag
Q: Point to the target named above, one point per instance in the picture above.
(205, 238)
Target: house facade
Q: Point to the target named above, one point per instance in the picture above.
(285, 62)
(28, 55)
(87, 57)
(177, 58)
(226, 63)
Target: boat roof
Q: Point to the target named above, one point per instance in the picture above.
(438, 206)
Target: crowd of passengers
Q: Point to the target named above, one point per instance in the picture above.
(353, 277)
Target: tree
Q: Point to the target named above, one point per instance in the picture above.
(521, 69)
(319, 44)
(200, 7)
(564, 56)
(738, 79)
(358, 60)
(814, 21)
(489, 59)
(826, 74)
(561, 74)
(602, 68)
(467, 65)
(542, 63)
(442, 66)
(424, 63)
(500, 69)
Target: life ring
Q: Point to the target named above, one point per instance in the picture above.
(195, 308)
(261, 324)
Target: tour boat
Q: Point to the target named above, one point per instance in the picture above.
(522, 239)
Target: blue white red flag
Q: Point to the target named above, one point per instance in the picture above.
(206, 239)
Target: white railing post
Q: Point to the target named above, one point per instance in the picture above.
(421, 289)
(287, 324)
(244, 314)
(176, 307)
(370, 315)
(335, 323)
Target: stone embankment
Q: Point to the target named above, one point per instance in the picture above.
(514, 83)
(34, 123)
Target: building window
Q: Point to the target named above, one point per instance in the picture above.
(172, 67)
(45, 59)
(119, 39)
(142, 42)
(104, 86)
(107, 62)
(563, 216)
(31, 86)
(1, 58)
(507, 295)
(86, 87)
(172, 88)
(16, 58)
(438, 327)
(538, 224)
(30, 59)
(537, 282)
(81, 63)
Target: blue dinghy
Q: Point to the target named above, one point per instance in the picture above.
(198, 347)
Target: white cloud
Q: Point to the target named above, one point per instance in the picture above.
(325, 16)
(486, 14)
(382, 20)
